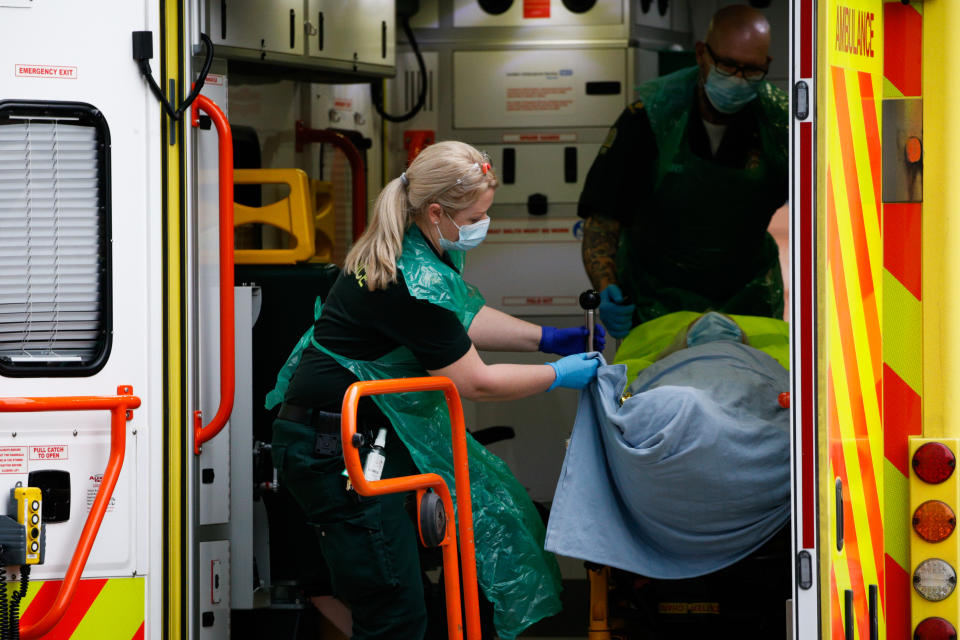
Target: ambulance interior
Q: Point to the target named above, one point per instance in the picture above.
(311, 152)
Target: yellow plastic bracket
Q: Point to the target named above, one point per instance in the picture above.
(293, 214)
(321, 197)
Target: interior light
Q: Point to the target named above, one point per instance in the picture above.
(935, 629)
(934, 521)
(934, 579)
(934, 462)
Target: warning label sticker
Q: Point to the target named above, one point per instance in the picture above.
(13, 459)
(541, 301)
(49, 452)
(536, 9)
(92, 489)
(45, 71)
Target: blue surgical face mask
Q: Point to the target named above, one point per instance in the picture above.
(728, 94)
(470, 235)
(711, 327)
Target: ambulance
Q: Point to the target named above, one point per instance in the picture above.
(177, 178)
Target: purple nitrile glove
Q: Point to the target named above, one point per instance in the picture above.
(566, 342)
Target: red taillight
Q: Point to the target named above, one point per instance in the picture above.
(934, 521)
(934, 462)
(935, 629)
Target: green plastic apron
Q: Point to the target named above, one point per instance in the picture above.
(702, 242)
(517, 575)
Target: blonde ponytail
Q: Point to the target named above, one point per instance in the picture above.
(375, 253)
(451, 174)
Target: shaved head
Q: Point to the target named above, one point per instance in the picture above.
(738, 37)
(740, 33)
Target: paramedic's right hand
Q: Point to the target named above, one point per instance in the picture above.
(616, 315)
(576, 371)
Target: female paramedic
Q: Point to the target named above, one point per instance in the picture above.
(400, 308)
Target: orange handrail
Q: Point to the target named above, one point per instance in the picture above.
(420, 483)
(121, 409)
(202, 434)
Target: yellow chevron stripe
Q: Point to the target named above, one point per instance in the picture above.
(890, 90)
(119, 607)
(839, 564)
(855, 481)
(902, 338)
(896, 499)
(868, 369)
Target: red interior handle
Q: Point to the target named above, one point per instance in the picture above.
(202, 434)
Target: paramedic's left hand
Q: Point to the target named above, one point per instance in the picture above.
(576, 371)
(566, 342)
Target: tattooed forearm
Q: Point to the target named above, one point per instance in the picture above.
(600, 239)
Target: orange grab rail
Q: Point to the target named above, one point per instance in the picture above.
(420, 483)
(358, 175)
(121, 408)
(202, 434)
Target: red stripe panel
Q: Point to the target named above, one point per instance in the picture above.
(901, 408)
(898, 600)
(83, 598)
(807, 346)
(903, 47)
(806, 38)
(139, 634)
(860, 250)
(869, 106)
(902, 243)
(851, 366)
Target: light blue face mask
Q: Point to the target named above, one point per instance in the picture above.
(728, 94)
(470, 235)
(711, 327)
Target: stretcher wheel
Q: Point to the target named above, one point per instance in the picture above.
(433, 520)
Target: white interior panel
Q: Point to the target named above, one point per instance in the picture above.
(537, 88)
(253, 24)
(540, 13)
(530, 267)
(540, 168)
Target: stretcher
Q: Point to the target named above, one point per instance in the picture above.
(677, 481)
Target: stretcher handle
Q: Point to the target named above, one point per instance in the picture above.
(589, 301)
(202, 434)
(121, 409)
(351, 456)
(358, 176)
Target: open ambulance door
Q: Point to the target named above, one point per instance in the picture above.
(856, 324)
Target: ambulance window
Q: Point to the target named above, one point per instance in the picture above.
(54, 239)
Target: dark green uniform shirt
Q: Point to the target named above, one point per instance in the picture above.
(365, 325)
(696, 238)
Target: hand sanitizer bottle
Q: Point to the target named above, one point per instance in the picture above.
(373, 465)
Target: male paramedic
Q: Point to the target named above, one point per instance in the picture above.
(678, 200)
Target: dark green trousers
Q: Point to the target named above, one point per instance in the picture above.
(369, 544)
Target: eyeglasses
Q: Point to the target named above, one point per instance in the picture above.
(727, 67)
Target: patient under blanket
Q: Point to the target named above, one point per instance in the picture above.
(688, 475)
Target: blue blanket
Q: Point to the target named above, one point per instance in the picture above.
(689, 475)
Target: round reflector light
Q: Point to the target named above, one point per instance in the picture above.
(934, 462)
(934, 579)
(935, 629)
(934, 521)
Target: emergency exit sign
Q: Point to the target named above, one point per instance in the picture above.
(45, 71)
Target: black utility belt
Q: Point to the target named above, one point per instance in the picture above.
(327, 425)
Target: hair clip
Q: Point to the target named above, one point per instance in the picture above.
(484, 168)
(404, 179)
